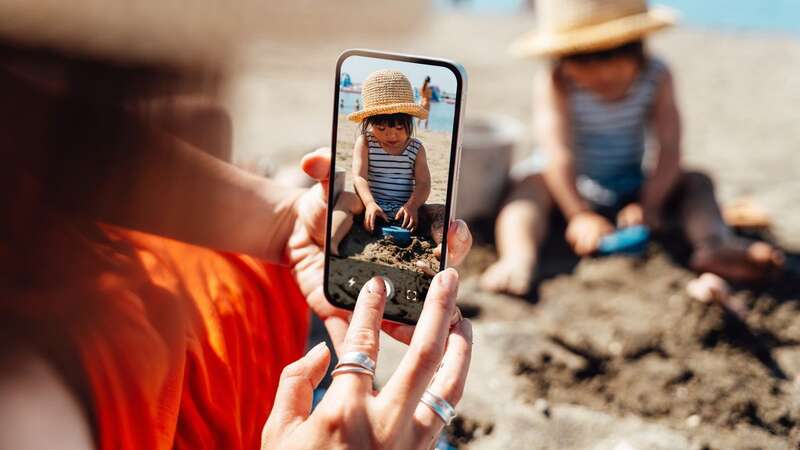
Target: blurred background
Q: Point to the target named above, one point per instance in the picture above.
(614, 355)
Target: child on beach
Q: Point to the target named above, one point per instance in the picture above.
(390, 168)
(599, 100)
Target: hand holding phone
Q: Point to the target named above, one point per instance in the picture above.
(395, 158)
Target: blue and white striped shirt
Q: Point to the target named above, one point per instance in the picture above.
(391, 177)
(609, 138)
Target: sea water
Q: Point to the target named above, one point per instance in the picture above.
(781, 16)
(440, 118)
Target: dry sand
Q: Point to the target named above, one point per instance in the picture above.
(615, 355)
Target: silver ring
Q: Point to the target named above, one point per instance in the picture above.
(352, 369)
(359, 359)
(440, 406)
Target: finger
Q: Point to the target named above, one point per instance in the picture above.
(582, 245)
(337, 330)
(459, 242)
(399, 214)
(622, 219)
(296, 388)
(370, 222)
(383, 214)
(405, 387)
(317, 165)
(363, 333)
(407, 221)
(449, 380)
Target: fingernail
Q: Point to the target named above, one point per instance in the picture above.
(318, 349)
(462, 231)
(466, 325)
(449, 279)
(376, 286)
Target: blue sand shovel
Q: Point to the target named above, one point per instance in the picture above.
(400, 234)
(632, 240)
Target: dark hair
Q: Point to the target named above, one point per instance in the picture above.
(389, 120)
(633, 50)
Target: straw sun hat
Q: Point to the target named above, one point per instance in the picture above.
(578, 26)
(387, 92)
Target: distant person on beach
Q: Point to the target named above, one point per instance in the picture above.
(390, 167)
(358, 105)
(597, 102)
(425, 94)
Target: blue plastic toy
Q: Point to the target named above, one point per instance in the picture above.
(632, 240)
(400, 234)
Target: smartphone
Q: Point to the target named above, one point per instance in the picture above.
(394, 174)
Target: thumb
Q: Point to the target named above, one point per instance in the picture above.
(317, 165)
(295, 391)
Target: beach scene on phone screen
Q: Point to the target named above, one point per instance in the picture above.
(393, 150)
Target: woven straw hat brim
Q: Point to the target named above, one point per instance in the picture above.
(596, 37)
(408, 108)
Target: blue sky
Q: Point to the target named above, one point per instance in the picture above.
(359, 67)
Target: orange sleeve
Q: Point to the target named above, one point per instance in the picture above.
(174, 346)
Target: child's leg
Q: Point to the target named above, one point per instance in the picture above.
(431, 221)
(347, 206)
(520, 229)
(716, 248)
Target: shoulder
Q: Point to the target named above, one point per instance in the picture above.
(362, 142)
(658, 70)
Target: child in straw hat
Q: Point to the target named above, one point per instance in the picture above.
(390, 168)
(597, 101)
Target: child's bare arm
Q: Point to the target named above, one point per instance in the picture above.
(409, 212)
(360, 169)
(552, 126)
(666, 125)
(422, 181)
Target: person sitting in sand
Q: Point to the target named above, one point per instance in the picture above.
(390, 168)
(596, 101)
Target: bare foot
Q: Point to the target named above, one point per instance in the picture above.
(739, 260)
(509, 275)
(708, 288)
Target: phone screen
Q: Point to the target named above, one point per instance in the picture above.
(395, 142)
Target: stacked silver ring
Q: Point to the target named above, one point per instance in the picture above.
(440, 406)
(355, 362)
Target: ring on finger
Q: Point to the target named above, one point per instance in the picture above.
(357, 359)
(440, 406)
(352, 369)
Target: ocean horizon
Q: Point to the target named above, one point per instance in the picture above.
(770, 16)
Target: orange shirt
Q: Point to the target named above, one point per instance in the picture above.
(168, 345)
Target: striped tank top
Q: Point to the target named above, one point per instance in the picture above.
(609, 138)
(391, 177)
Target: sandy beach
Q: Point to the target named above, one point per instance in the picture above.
(610, 353)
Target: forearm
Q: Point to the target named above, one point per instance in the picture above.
(422, 191)
(362, 189)
(177, 191)
(560, 180)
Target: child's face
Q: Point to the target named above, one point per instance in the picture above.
(609, 79)
(391, 138)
